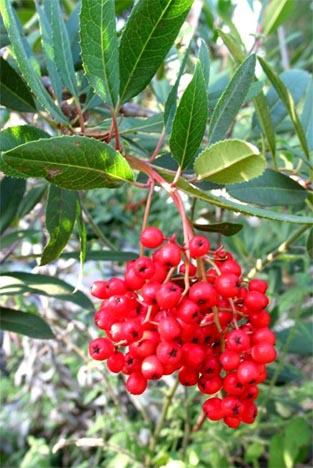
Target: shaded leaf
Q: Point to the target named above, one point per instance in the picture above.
(270, 189)
(15, 236)
(309, 244)
(288, 101)
(149, 34)
(60, 220)
(227, 229)
(62, 54)
(31, 198)
(70, 162)
(24, 323)
(11, 194)
(14, 93)
(228, 162)
(276, 13)
(16, 282)
(231, 100)
(307, 115)
(302, 338)
(27, 63)
(100, 48)
(190, 120)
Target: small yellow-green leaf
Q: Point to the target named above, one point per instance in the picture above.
(229, 162)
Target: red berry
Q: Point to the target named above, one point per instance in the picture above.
(169, 255)
(188, 376)
(229, 360)
(144, 267)
(247, 372)
(238, 340)
(199, 246)
(255, 301)
(152, 368)
(227, 285)
(263, 353)
(203, 294)
(213, 408)
(169, 329)
(210, 386)
(136, 383)
(258, 285)
(168, 295)
(98, 289)
(101, 349)
(116, 362)
(151, 237)
(169, 352)
(264, 334)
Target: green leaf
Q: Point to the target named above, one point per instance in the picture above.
(62, 54)
(309, 244)
(11, 194)
(15, 236)
(24, 323)
(148, 36)
(270, 189)
(17, 282)
(232, 45)
(103, 256)
(276, 13)
(31, 198)
(60, 220)
(70, 162)
(307, 115)
(302, 338)
(27, 63)
(204, 61)
(276, 452)
(14, 93)
(254, 451)
(231, 100)
(46, 39)
(227, 229)
(228, 162)
(224, 202)
(297, 435)
(99, 48)
(190, 120)
(288, 101)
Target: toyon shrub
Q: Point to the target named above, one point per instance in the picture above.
(187, 309)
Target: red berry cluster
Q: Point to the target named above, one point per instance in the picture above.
(187, 309)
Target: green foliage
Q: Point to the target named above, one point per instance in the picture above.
(111, 95)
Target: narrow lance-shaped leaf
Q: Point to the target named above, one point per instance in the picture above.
(62, 53)
(14, 93)
(11, 194)
(190, 120)
(149, 34)
(276, 13)
(307, 115)
(28, 64)
(24, 323)
(60, 220)
(231, 100)
(99, 48)
(46, 39)
(260, 103)
(228, 162)
(287, 99)
(204, 61)
(70, 162)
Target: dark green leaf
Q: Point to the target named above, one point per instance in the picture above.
(276, 13)
(4, 38)
(46, 39)
(14, 93)
(228, 162)
(99, 48)
(231, 100)
(62, 54)
(224, 202)
(190, 120)
(288, 101)
(16, 282)
(121, 5)
(270, 189)
(307, 115)
(24, 323)
(15, 236)
(149, 34)
(70, 162)
(28, 64)
(15, 136)
(60, 220)
(31, 198)
(227, 229)
(309, 244)
(150, 125)
(11, 194)
(82, 229)
(302, 338)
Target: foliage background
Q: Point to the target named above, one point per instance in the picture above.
(59, 409)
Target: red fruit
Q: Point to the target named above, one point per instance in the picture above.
(152, 368)
(169, 255)
(249, 412)
(101, 349)
(210, 386)
(149, 291)
(255, 301)
(263, 353)
(230, 266)
(260, 319)
(213, 408)
(98, 289)
(227, 285)
(203, 294)
(192, 269)
(189, 311)
(199, 246)
(132, 330)
(231, 422)
(103, 319)
(250, 393)
(131, 365)
(258, 285)
(264, 335)
(136, 384)
(116, 286)
(168, 295)
(210, 367)
(116, 362)
(151, 237)
(247, 372)
(229, 360)
(232, 406)
(238, 340)
(193, 355)
(188, 376)
(132, 280)
(232, 385)
(169, 328)
(144, 267)
(169, 352)
(143, 348)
